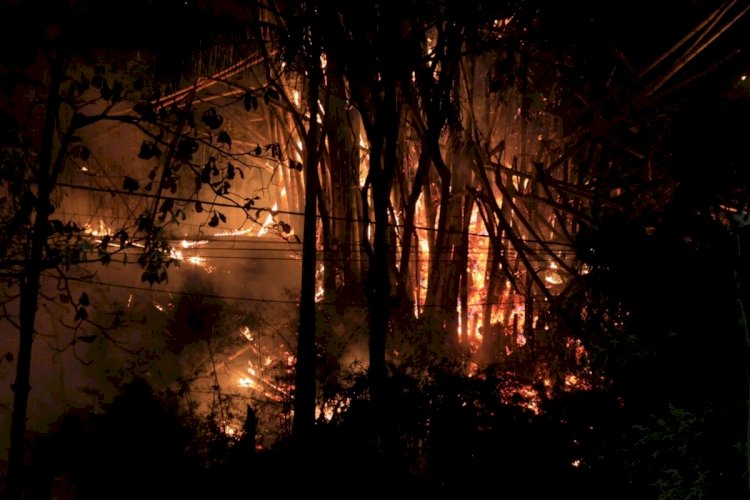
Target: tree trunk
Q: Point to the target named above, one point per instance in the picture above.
(30, 281)
(304, 398)
(409, 231)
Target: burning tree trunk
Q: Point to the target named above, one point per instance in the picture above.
(344, 171)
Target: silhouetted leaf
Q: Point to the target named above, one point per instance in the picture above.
(97, 81)
(116, 92)
(84, 300)
(83, 84)
(130, 184)
(224, 139)
(85, 153)
(206, 174)
(106, 91)
(247, 101)
(81, 314)
(167, 205)
(185, 149)
(123, 236)
(212, 119)
(198, 207)
(87, 338)
(149, 150)
(214, 221)
(222, 217)
(8, 357)
(146, 110)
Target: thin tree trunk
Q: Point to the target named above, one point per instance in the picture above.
(304, 399)
(30, 290)
(746, 333)
(409, 232)
(468, 206)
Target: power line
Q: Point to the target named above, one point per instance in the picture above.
(271, 211)
(249, 299)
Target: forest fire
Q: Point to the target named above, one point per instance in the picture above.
(447, 242)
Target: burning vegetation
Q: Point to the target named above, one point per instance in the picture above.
(393, 245)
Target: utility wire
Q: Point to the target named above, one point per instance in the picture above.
(262, 300)
(209, 203)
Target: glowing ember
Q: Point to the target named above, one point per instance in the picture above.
(102, 230)
(235, 232)
(246, 382)
(269, 220)
(192, 244)
(246, 333)
(193, 259)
